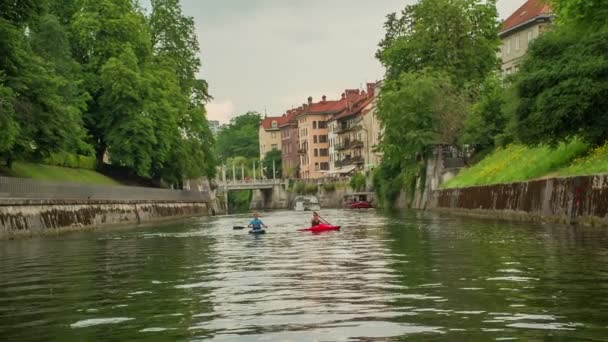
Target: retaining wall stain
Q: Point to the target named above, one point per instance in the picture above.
(39, 216)
(573, 199)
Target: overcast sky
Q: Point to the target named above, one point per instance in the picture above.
(273, 54)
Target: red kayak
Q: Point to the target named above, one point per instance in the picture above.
(323, 227)
(360, 205)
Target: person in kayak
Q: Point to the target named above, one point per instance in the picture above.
(316, 220)
(256, 223)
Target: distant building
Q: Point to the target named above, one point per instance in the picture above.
(214, 126)
(290, 157)
(327, 138)
(270, 135)
(313, 136)
(520, 29)
(351, 132)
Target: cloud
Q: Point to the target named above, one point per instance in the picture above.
(220, 110)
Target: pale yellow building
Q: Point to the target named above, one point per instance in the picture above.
(520, 29)
(270, 135)
(373, 134)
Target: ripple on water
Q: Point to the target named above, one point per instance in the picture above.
(99, 321)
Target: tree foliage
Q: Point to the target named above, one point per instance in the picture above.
(437, 54)
(240, 137)
(459, 37)
(487, 120)
(563, 88)
(418, 110)
(103, 77)
(272, 157)
(586, 15)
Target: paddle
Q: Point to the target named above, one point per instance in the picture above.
(238, 227)
(322, 219)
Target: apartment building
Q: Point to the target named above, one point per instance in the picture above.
(290, 158)
(270, 135)
(347, 134)
(523, 26)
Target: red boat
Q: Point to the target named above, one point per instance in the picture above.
(323, 227)
(360, 205)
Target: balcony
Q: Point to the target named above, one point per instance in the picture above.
(347, 127)
(302, 151)
(356, 144)
(348, 145)
(350, 161)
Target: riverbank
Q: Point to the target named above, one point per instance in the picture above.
(572, 200)
(22, 218)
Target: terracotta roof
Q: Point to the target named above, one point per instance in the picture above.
(359, 103)
(528, 11)
(267, 122)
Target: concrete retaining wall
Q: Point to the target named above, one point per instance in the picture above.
(573, 200)
(27, 217)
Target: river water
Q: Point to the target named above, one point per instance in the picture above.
(382, 277)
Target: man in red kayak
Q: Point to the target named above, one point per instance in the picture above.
(316, 220)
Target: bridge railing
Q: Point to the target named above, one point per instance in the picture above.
(249, 182)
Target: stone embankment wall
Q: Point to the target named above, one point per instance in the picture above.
(575, 200)
(28, 217)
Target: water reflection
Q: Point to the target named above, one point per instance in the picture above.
(414, 274)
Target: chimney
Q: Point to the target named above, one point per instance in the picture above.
(343, 96)
(324, 98)
(310, 100)
(371, 87)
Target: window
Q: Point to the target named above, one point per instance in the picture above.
(273, 135)
(316, 152)
(322, 124)
(530, 36)
(323, 152)
(322, 138)
(509, 47)
(316, 166)
(274, 124)
(324, 166)
(274, 146)
(314, 139)
(517, 43)
(314, 125)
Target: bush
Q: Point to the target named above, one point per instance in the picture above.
(310, 189)
(329, 187)
(70, 160)
(357, 182)
(299, 187)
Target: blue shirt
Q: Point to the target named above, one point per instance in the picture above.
(256, 223)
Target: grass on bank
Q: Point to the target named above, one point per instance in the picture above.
(57, 174)
(595, 162)
(516, 163)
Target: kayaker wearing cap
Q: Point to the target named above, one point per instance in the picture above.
(316, 220)
(256, 223)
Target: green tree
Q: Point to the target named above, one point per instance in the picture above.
(102, 30)
(240, 137)
(459, 37)
(272, 157)
(487, 119)
(587, 15)
(39, 115)
(563, 89)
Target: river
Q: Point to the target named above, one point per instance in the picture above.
(382, 277)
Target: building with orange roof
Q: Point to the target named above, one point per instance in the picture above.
(270, 135)
(290, 158)
(313, 136)
(523, 26)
